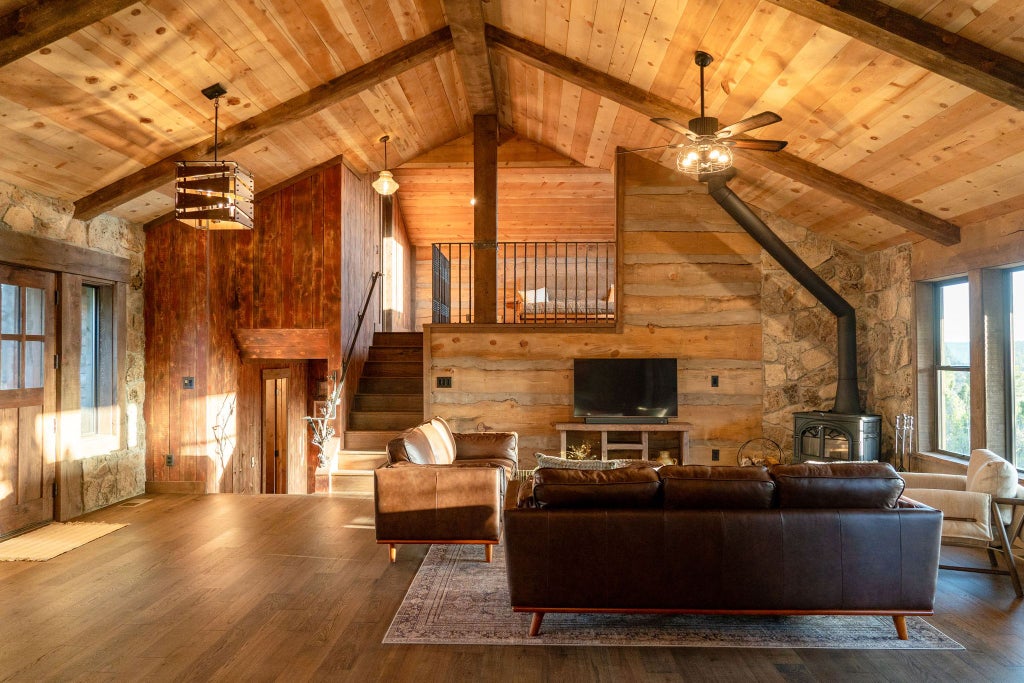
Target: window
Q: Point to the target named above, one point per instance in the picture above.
(22, 337)
(1015, 357)
(953, 367)
(96, 370)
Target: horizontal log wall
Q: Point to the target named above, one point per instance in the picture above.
(690, 280)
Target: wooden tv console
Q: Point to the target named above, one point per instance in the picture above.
(680, 428)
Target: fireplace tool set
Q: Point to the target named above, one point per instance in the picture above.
(904, 440)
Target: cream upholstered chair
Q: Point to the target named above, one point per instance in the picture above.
(978, 509)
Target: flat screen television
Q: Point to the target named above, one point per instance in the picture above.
(625, 390)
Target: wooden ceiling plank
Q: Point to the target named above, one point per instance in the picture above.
(665, 17)
(952, 56)
(306, 38)
(231, 48)
(675, 73)
(579, 30)
(42, 22)
(451, 81)
(628, 38)
(466, 19)
(74, 109)
(768, 59)
(741, 39)
(263, 124)
(652, 105)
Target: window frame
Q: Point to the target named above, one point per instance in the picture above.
(1008, 363)
(938, 368)
(105, 392)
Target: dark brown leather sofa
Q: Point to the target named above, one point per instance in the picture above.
(799, 539)
(443, 487)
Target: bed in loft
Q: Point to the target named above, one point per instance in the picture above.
(544, 306)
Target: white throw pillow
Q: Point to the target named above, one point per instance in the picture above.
(536, 296)
(991, 474)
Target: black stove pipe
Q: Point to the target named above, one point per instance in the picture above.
(847, 396)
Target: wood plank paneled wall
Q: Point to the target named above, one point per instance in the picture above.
(302, 267)
(690, 283)
(360, 258)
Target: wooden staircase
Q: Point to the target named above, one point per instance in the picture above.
(389, 398)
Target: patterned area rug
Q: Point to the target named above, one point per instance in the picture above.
(456, 598)
(53, 540)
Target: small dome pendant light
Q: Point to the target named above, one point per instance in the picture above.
(385, 183)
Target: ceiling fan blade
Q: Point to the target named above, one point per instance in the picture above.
(765, 118)
(675, 126)
(762, 145)
(647, 149)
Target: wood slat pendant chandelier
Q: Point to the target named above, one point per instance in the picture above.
(214, 195)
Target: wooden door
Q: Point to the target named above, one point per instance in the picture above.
(28, 415)
(275, 430)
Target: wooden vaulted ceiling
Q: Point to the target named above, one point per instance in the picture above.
(903, 119)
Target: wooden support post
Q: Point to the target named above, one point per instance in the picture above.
(489, 552)
(392, 552)
(485, 218)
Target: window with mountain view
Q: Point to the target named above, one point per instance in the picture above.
(1016, 356)
(953, 361)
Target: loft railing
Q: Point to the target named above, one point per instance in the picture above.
(537, 282)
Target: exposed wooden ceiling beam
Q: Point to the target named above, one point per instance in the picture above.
(961, 60)
(466, 19)
(786, 164)
(41, 22)
(260, 126)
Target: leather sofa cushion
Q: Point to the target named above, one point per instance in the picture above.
(628, 487)
(699, 487)
(411, 446)
(837, 485)
(510, 466)
(486, 445)
(430, 443)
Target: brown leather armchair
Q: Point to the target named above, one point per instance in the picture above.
(443, 487)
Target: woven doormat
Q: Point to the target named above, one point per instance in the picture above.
(53, 540)
(458, 598)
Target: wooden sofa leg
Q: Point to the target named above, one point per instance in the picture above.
(488, 551)
(392, 552)
(901, 626)
(535, 623)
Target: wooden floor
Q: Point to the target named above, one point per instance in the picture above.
(239, 588)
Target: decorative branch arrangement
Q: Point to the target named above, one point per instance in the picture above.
(323, 424)
(225, 440)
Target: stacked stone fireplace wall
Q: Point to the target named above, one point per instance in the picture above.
(799, 334)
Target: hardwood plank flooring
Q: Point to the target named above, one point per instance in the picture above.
(234, 587)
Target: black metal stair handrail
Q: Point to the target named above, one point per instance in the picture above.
(359, 325)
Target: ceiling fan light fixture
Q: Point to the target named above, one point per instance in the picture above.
(385, 184)
(214, 195)
(704, 155)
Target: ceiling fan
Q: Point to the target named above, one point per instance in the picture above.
(708, 149)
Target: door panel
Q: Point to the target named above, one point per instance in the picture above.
(27, 398)
(275, 430)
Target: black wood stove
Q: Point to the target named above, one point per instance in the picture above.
(835, 437)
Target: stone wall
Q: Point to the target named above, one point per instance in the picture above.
(889, 309)
(120, 474)
(799, 334)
